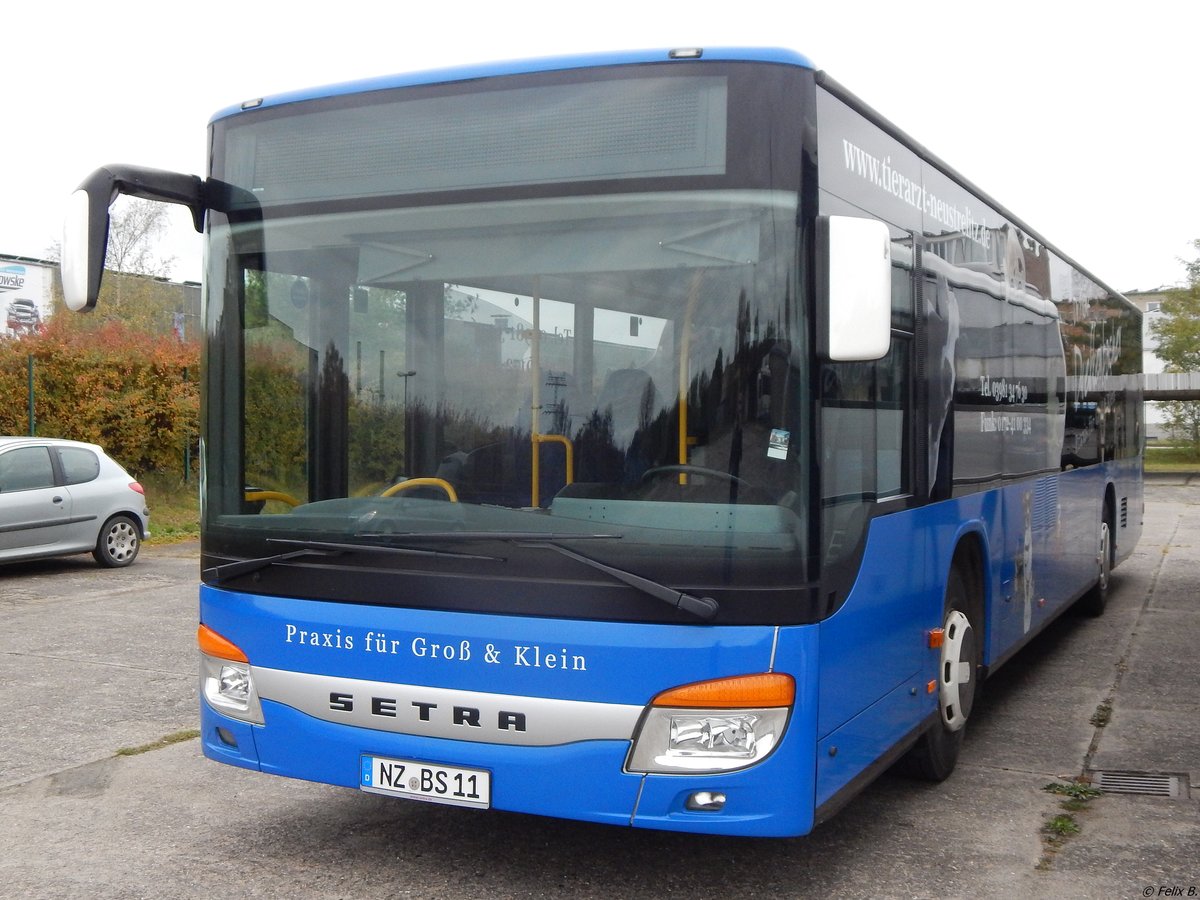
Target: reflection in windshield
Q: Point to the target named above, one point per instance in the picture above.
(617, 364)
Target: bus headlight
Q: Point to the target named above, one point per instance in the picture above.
(229, 689)
(715, 735)
(234, 684)
(713, 726)
(225, 678)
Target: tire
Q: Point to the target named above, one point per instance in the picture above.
(118, 544)
(1094, 602)
(936, 752)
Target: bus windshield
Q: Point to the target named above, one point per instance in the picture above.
(625, 370)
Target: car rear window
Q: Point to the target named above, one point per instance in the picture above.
(79, 465)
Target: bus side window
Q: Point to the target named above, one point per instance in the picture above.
(866, 431)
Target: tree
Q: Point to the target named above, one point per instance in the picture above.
(135, 228)
(132, 291)
(1178, 337)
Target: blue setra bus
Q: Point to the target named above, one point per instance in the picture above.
(660, 439)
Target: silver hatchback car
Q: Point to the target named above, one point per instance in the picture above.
(59, 497)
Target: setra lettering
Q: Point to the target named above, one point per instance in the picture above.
(462, 716)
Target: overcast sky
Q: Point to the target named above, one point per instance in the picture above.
(1079, 117)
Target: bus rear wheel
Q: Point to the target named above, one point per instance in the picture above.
(936, 752)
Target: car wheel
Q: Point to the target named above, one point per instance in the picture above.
(118, 543)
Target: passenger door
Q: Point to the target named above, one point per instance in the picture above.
(34, 511)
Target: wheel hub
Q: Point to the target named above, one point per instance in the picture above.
(956, 675)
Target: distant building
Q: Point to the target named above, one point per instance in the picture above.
(1150, 303)
(30, 290)
(25, 293)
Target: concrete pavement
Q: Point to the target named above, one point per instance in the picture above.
(1148, 724)
(92, 661)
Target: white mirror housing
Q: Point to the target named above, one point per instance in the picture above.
(78, 262)
(85, 232)
(854, 284)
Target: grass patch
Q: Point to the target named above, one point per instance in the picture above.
(1076, 794)
(1075, 790)
(1102, 716)
(177, 738)
(1055, 833)
(1061, 826)
(1171, 458)
(1058, 829)
(174, 508)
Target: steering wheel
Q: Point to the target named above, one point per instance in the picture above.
(682, 469)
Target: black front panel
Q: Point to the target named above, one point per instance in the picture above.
(485, 387)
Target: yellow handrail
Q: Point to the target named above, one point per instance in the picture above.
(254, 496)
(685, 349)
(423, 482)
(535, 405)
(539, 439)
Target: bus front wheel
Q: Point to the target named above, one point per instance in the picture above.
(936, 752)
(1095, 600)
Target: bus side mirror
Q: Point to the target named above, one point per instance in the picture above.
(84, 243)
(85, 232)
(854, 288)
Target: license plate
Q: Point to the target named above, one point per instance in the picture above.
(423, 781)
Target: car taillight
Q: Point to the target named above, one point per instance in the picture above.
(134, 486)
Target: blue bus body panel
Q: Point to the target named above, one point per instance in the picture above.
(518, 67)
(875, 660)
(605, 662)
(1039, 542)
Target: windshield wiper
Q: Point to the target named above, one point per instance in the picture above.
(247, 566)
(704, 607)
(510, 536)
(321, 549)
(384, 549)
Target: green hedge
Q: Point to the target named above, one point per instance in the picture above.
(123, 389)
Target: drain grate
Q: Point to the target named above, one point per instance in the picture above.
(1147, 784)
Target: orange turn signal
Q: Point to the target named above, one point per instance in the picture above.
(767, 689)
(937, 637)
(212, 644)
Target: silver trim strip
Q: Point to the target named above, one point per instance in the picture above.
(444, 713)
(638, 800)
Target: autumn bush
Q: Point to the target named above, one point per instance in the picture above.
(115, 386)
(274, 439)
